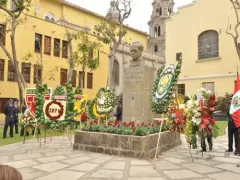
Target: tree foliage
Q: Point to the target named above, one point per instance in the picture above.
(108, 31)
(224, 102)
(13, 19)
(111, 30)
(84, 54)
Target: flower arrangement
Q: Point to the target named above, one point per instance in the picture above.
(93, 111)
(80, 107)
(163, 87)
(103, 104)
(28, 120)
(105, 101)
(124, 128)
(199, 116)
(176, 120)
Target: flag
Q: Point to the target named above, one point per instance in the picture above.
(235, 104)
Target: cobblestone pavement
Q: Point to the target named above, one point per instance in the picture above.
(56, 160)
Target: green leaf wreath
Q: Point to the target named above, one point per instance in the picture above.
(70, 104)
(59, 91)
(40, 102)
(160, 99)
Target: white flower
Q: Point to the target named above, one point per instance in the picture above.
(198, 121)
(189, 104)
(209, 92)
(197, 114)
(194, 120)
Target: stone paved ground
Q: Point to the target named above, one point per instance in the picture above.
(57, 161)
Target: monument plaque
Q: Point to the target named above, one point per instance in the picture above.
(133, 78)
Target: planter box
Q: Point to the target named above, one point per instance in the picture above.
(124, 145)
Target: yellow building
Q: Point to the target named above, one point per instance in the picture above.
(46, 23)
(198, 33)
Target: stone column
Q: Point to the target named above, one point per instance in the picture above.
(138, 82)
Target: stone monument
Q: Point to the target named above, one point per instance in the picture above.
(138, 82)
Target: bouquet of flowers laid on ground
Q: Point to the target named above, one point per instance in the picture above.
(199, 116)
(176, 120)
(28, 119)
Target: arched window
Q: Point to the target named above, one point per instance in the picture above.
(155, 48)
(116, 71)
(49, 17)
(208, 45)
(157, 31)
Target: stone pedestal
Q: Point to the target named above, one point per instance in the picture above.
(138, 82)
(124, 145)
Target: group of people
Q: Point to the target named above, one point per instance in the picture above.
(11, 111)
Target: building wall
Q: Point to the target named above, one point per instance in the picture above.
(25, 38)
(182, 31)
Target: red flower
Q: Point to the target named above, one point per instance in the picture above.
(200, 102)
(211, 100)
(205, 120)
(212, 109)
(204, 107)
(203, 126)
(83, 117)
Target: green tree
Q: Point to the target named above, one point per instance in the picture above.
(84, 54)
(224, 103)
(13, 19)
(111, 31)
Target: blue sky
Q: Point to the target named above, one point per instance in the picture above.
(141, 10)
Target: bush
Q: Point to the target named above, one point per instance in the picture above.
(123, 128)
(223, 103)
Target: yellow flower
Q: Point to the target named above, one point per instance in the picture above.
(96, 113)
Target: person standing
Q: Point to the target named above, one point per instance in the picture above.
(119, 111)
(9, 120)
(16, 111)
(24, 107)
(232, 130)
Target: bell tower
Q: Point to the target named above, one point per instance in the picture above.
(162, 9)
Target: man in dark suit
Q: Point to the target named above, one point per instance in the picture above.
(232, 130)
(10, 117)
